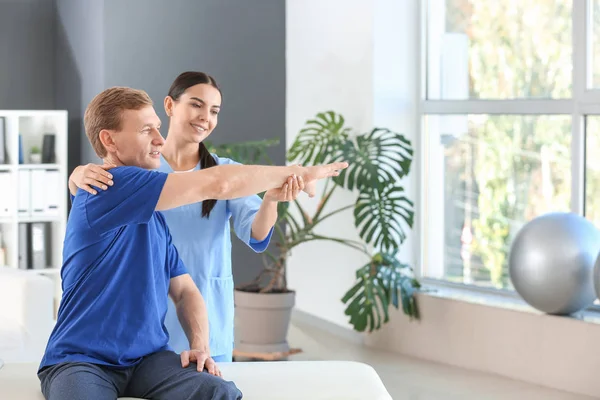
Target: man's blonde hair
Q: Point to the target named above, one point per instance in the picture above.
(105, 111)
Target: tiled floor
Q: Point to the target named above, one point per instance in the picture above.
(412, 379)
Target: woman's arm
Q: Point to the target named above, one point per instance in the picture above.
(266, 216)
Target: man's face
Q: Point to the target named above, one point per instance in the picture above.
(139, 142)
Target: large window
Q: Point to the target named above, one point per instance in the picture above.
(511, 127)
(480, 49)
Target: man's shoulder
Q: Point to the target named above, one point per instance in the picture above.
(128, 177)
(131, 184)
(127, 170)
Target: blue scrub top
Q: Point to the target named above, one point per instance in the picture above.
(204, 245)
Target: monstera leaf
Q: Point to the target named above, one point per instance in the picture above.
(382, 282)
(319, 140)
(377, 214)
(378, 158)
(250, 152)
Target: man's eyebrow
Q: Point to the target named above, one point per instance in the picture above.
(202, 101)
(150, 125)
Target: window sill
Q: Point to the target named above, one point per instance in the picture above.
(496, 298)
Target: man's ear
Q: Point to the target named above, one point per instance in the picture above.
(107, 140)
(169, 104)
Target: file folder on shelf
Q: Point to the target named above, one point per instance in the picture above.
(24, 185)
(53, 192)
(38, 190)
(3, 142)
(23, 246)
(7, 194)
(38, 245)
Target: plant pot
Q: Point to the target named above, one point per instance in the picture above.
(262, 321)
(35, 158)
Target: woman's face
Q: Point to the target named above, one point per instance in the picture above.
(195, 114)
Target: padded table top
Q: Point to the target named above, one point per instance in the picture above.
(317, 380)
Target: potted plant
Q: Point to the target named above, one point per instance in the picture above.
(35, 155)
(378, 160)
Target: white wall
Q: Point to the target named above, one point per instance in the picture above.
(329, 50)
(349, 56)
(395, 92)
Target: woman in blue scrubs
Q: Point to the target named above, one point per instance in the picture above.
(201, 231)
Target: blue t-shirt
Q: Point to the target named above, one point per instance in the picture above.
(118, 260)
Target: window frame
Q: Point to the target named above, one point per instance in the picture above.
(584, 101)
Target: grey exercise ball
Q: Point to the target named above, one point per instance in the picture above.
(551, 262)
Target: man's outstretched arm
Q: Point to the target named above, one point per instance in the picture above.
(224, 182)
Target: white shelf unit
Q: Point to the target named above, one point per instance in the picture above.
(50, 183)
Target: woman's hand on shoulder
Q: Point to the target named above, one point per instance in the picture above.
(86, 176)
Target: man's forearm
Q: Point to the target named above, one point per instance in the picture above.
(226, 182)
(193, 317)
(222, 182)
(264, 220)
(246, 180)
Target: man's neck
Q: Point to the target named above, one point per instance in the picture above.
(109, 160)
(181, 156)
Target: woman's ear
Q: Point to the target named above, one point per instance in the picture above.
(169, 106)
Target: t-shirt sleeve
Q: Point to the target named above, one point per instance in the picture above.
(131, 200)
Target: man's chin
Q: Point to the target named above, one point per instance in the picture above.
(151, 164)
(148, 163)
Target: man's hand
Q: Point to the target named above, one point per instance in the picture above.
(202, 359)
(311, 175)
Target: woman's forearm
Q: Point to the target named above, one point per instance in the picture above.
(264, 220)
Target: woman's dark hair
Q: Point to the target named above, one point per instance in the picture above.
(180, 85)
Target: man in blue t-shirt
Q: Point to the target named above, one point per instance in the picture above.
(119, 266)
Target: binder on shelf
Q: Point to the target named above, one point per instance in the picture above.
(23, 246)
(3, 251)
(38, 189)
(24, 200)
(38, 242)
(3, 145)
(21, 149)
(53, 193)
(5, 199)
(48, 153)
